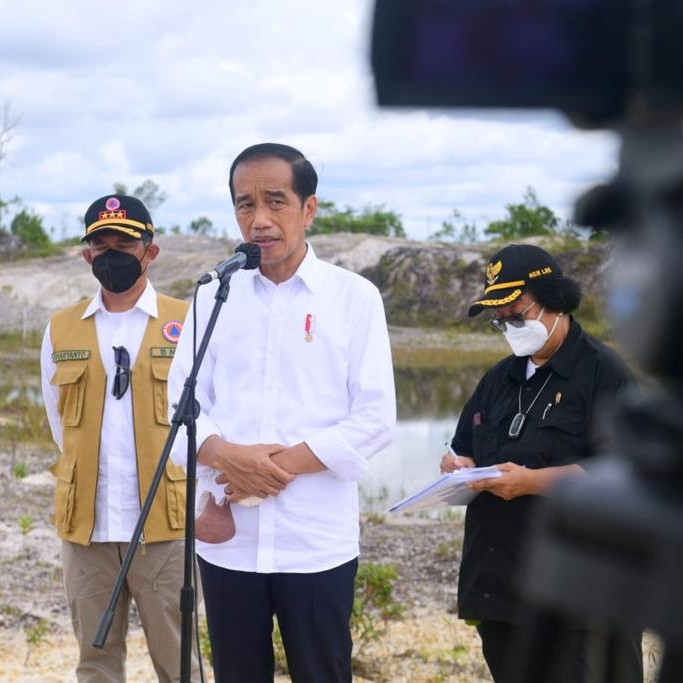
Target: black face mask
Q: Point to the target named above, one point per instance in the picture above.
(117, 271)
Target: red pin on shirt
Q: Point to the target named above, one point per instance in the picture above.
(308, 327)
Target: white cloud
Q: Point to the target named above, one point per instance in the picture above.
(173, 91)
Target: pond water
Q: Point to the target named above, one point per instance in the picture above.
(429, 401)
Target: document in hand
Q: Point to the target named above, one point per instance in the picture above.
(448, 489)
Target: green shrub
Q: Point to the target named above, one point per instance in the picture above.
(25, 524)
(35, 635)
(20, 470)
(373, 603)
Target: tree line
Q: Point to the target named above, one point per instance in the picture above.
(527, 218)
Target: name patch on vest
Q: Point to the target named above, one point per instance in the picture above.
(59, 356)
(162, 351)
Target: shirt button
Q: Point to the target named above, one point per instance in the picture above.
(527, 389)
(490, 549)
(487, 596)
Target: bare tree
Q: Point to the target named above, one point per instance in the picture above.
(8, 123)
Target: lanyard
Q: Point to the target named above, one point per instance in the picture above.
(520, 418)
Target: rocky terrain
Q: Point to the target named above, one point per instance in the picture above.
(423, 284)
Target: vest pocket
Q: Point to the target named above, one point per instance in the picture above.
(176, 480)
(65, 492)
(70, 378)
(160, 368)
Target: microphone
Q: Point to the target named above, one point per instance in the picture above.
(247, 256)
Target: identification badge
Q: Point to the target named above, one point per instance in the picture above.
(76, 354)
(162, 351)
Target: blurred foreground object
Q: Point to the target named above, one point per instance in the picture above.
(608, 549)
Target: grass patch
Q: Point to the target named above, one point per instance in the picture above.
(19, 471)
(374, 604)
(449, 549)
(24, 418)
(453, 358)
(34, 252)
(14, 340)
(25, 524)
(181, 289)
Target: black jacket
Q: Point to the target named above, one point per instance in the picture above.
(562, 427)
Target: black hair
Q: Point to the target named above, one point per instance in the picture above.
(558, 294)
(304, 177)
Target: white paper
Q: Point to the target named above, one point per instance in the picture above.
(449, 489)
(206, 483)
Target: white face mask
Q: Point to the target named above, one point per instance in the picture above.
(530, 338)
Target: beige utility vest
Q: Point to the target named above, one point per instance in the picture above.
(82, 383)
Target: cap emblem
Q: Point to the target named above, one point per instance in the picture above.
(105, 215)
(112, 203)
(493, 271)
(171, 331)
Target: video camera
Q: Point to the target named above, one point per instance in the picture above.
(608, 550)
(601, 62)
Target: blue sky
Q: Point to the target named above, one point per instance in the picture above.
(168, 90)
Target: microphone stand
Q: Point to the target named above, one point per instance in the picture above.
(186, 413)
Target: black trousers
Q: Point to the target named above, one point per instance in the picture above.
(546, 653)
(313, 613)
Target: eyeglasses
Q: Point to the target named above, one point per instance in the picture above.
(122, 377)
(514, 320)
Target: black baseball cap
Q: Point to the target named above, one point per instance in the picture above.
(118, 212)
(510, 270)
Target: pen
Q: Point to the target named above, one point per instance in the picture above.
(450, 449)
(547, 408)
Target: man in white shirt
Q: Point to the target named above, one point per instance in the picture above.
(104, 366)
(296, 393)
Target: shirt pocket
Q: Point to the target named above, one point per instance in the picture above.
(70, 378)
(160, 369)
(561, 439)
(176, 481)
(65, 493)
(485, 444)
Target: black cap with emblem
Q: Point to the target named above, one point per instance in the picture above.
(510, 270)
(118, 212)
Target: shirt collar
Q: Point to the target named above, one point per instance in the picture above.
(147, 303)
(563, 360)
(308, 271)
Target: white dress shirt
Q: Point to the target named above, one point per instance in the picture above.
(117, 506)
(306, 360)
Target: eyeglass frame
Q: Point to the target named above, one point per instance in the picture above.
(122, 361)
(514, 320)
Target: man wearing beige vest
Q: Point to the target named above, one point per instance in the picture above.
(104, 364)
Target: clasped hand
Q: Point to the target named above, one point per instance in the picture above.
(246, 470)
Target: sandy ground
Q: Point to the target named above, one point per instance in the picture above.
(427, 644)
(419, 649)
